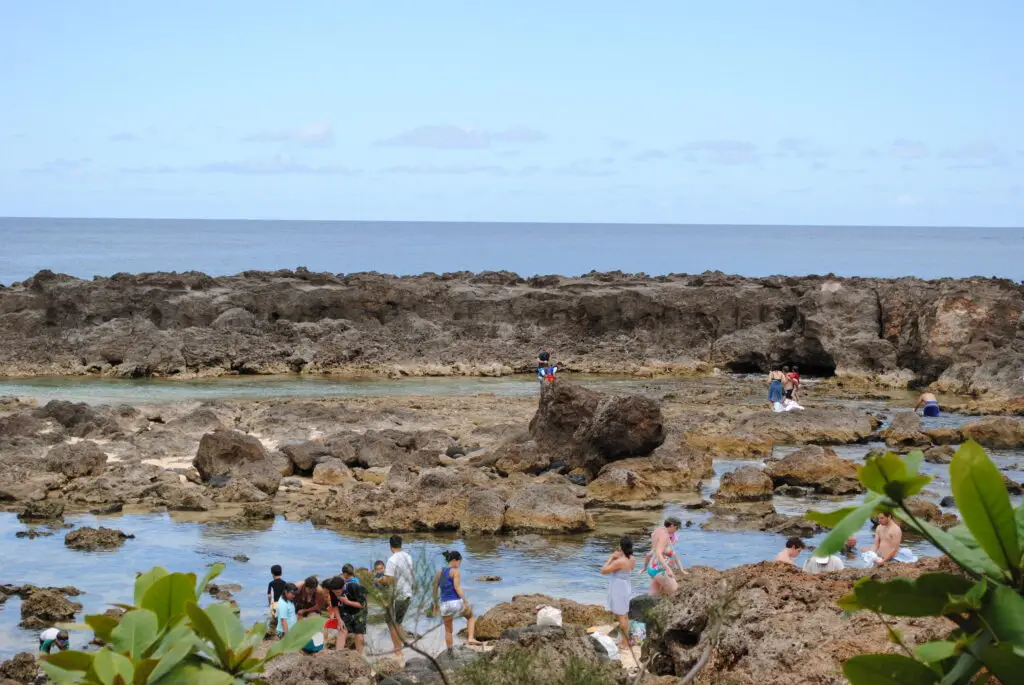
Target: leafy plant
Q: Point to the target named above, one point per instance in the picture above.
(166, 638)
(985, 604)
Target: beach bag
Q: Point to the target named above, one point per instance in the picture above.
(637, 632)
(315, 644)
(549, 616)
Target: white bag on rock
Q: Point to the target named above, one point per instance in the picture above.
(549, 616)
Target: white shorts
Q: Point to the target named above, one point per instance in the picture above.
(452, 608)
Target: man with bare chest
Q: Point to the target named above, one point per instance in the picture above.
(888, 537)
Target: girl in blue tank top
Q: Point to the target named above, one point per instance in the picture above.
(450, 601)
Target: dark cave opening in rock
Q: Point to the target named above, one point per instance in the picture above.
(744, 366)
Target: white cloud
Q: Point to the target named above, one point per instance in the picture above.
(448, 137)
(319, 134)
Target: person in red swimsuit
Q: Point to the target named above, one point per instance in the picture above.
(794, 376)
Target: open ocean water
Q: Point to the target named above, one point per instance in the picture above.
(88, 247)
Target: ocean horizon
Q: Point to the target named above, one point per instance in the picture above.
(87, 247)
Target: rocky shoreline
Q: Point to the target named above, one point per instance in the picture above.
(963, 336)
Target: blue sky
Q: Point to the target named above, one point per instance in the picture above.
(882, 113)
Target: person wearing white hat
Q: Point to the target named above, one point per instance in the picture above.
(818, 565)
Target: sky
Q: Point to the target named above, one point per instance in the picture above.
(752, 112)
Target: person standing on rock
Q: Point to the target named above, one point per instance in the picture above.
(545, 369)
(775, 389)
(450, 600)
(788, 384)
(930, 404)
(662, 555)
(794, 376)
(619, 566)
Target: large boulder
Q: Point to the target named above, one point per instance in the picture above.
(928, 511)
(547, 508)
(22, 668)
(521, 611)
(818, 426)
(905, 431)
(226, 454)
(76, 460)
(138, 484)
(89, 539)
(589, 429)
(618, 486)
(818, 468)
(78, 419)
(41, 608)
(344, 667)
(998, 432)
(776, 614)
(745, 484)
(43, 510)
(332, 472)
(485, 512)
(729, 444)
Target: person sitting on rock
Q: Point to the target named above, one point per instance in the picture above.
(53, 637)
(794, 546)
(545, 369)
(930, 404)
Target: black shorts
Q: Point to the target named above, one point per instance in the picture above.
(355, 623)
(789, 393)
(399, 608)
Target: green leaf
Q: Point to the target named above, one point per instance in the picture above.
(62, 676)
(107, 665)
(902, 489)
(852, 522)
(924, 596)
(297, 636)
(171, 638)
(102, 625)
(170, 659)
(168, 595)
(888, 669)
(143, 669)
(913, 462)
(965, 667)
(193, 671)
(215, 570)
(829, 519)
(984, 504)
(1003, 661)
(971, 559)
(145, 581)
(932, 652)
(227, 623)
(70, 660)
(207, 630)
(1004, 614)
(968, 601)
(880, 470)
(135, 633)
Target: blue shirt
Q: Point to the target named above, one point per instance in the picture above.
(285, 612)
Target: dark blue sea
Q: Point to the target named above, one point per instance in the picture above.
(88, 247)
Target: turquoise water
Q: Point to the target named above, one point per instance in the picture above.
(89, 247)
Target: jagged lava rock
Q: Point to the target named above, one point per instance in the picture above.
(745, 484)
(521, 611)
(232, 453)
(816, 467)
(90, 539)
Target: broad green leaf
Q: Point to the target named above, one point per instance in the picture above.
(255, 636)
(1004, 614)
(913, 462)
(228, 625)
(850, 524)
(143, 669)
(107, 665)
(925, 596)
(829, 519)
(963, 534)
(102, 625)
(1003, 661)
(170, 659)
(70, 660)
(932, 652)
(984, 504)
(193, 671)
(888, 669)
(73, 626)
(62, 676)
(1018, 516)
(965, 667)
(207, 630)
(908, 487)
(880, 470)
(178, 634)
(969, 601)
(215, 570)
(145, 581)
(168, 595)
(297, 637)
(135, 633)
(974, 560)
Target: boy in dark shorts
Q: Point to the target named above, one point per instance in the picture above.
(353, 609)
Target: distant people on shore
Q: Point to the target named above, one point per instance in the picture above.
(660, 560)
(450, 600)
(619, 566)
(794, 547)
(929, 403)
(398, 577)
(794, 377)
(776, 392)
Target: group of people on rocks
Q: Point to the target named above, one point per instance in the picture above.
(886, 548)
(344, 600)
(784, 389)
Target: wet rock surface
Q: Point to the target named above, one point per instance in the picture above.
(999, 432)
(41, 608)
(88, 539)
(818, 468)
(776, 614)
(332, 667)
(522, 612)
(745, 484)
(21, 669)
